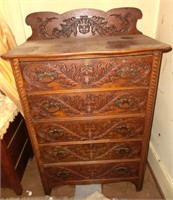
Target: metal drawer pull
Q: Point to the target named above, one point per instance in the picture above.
(122, 150)
(124, 103)
(62, 175)
(121, 170)
(52, 107)
(46, 77)
(123, 129)
(127, 72)
(56, 133)
(58, 155)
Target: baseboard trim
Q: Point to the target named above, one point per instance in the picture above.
(155, 180)
(160, 173)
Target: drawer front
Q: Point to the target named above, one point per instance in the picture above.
(82, 130)
(113, 171)
(53, 154)
(109, 151)
(87, 152)
(87, 104)
(70, 173)
(87, 73)
(91, 172)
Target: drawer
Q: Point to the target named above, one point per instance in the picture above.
(118, 170)
(87, 104)
(68, 174)
(87, 152)
(82, 173)
(82, 130)
(87, 73)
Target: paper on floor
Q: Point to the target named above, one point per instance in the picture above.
(96, 196)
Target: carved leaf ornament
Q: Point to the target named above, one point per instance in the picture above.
(84, 24)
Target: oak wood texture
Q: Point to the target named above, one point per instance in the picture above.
(88, 94)
(83, 23)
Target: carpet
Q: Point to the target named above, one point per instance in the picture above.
(94, 196)
(38, 198)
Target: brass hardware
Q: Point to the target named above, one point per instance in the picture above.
(46, 77)
(62, 175)
(52, 107)
(122, 150)
(59, 154)
(124, 103)
(121, 170)
(127, 72)
(123, 129)
(56, 133)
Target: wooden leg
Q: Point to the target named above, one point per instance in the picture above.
(138, 184)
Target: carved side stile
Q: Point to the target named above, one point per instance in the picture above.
(31, 130)
(150, 109)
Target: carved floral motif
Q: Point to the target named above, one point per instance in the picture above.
(91, 73)
(68, 173)
(84, 104)
(84, 24)
(91, 171)
(88, 152)
(89, 130)
(115, 170)
(65, 153)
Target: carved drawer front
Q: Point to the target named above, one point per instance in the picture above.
(86, 152)
(67, 174)
(81, 130)
(53, 154)
(118, 170)
(108, 151)
(87, 73)
(90, 172)
(85, 104)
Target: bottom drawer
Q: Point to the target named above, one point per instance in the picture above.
(91, 173)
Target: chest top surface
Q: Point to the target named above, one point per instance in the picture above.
(105, 45)
(85, 32)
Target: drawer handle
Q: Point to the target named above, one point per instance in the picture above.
(58, 155)
(46, 77)
(123, 129)
(56, 133)
(52, 107)
(121, 170)
(122, 150)
(127, 72)
(62, 175)
(125, 103)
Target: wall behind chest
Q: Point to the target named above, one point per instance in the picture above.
(15, 12)
(161, 148)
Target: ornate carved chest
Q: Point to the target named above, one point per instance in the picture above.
(87, 81)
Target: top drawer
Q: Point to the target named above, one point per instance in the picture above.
(87, 73)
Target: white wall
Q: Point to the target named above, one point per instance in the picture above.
(161, 148)
(16, 11)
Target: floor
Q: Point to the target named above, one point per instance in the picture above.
(32, 186)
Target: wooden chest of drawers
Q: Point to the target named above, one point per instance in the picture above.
(88, 101)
